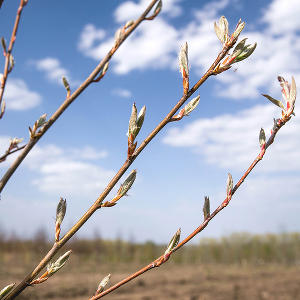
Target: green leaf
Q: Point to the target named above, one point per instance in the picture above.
(274, 101)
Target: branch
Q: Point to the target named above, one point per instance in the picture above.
(9, 152)
(164, 258)
(9, 61)
(93, 77)
(97, 204)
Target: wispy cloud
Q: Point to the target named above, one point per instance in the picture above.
(53, 70)
(231, 140)
(68, 171)
(278, 50)
(18, 96)
(89, 35)
(123, 93)
(131, 10)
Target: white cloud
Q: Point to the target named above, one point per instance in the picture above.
(156, 50)
(152, 49)
(19, 97)
(283, 16)
(54, 70)
(71, 172)
(278, 50)
(123, 93)
(131, 10)
(89, 35)
(231, 140)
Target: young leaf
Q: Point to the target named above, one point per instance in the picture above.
(174, 241)
(191, 105)
(132, 121)
(206, 208)
(183, 60)
(127, 183)
(229, 186)
(61, 210)
(262, 137)
(274, 101)
(5, 291)
(52, 268)
(104, 282)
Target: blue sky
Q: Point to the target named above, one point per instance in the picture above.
(189, 159)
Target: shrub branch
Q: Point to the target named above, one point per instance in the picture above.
(95, 76)
(97, 204)
(9, 61)
(165, 257)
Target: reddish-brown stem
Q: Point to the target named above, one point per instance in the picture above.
(162, 259)
(97, 204)
(72, 97)
(9, 152)
(7, 67)
(26, 281)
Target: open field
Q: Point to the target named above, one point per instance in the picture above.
(173, 282)
(236, 267)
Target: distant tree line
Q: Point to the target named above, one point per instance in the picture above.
(239, 248)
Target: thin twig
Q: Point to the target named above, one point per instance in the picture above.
(57, 245)
(162, 259)
(9, 152)
(8, 67)
(97, 204)
(72, 97)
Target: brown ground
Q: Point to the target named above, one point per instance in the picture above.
(169, 282)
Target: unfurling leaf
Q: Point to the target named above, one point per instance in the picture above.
(293, 93)
(3, 44)
(289, 93)
(15, 142)
(5, 291)
(191, 105)
(41, 121)
(52, 268)
(126, 185)
(136, 121)
(140, 120)
(158, 8)
(274, 101)
(66, 83)
(206, 208)
(105, 68)
(239, 27)
(239, 48)
(221, 29)
(174, 241)
(184, 61)
(229, 186)
(104, 282)
(262, 137)
(132, 121)
(118, 35)
(128, 24)
(246, 52)
(61, 210)
(11, 62)
(285, 89)
(3, 105)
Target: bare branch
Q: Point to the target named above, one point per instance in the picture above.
(164, 258)
(9, 62)
(94, 76)
(97, 204)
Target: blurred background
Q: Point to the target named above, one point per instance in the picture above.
(251, 248)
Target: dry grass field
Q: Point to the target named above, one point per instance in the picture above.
(236, 267)
(172, 282)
